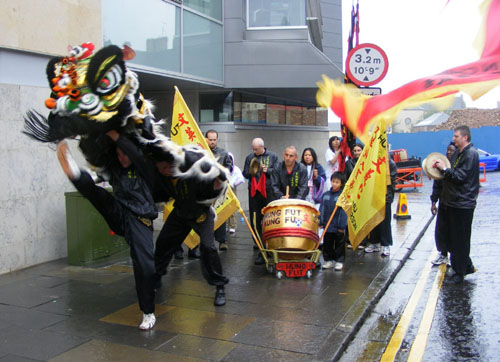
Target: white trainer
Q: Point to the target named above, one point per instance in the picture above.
(441, 259)
(148, 321)
(386, 250)
(328, 264)
(372, 248)
(339, 266)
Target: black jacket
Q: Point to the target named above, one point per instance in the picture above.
(296, 180)
(393, 171)
(461, 180)
(132, 185)
(223, 158)
(270, 159)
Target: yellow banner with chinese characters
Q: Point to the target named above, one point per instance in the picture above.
(185, 131)
(363, 198)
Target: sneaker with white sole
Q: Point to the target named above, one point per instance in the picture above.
(339, 266)
(441, 259)
(232, 231)
(148, 321)
(386, 251)
(372, 248)
(328, 264)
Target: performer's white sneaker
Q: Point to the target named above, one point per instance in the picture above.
(67, 162)
(148, 321)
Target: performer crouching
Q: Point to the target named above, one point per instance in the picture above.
(129, 211)
(193, 193)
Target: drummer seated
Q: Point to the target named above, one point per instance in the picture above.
(333, 242)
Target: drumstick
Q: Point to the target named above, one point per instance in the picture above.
(326, 226)
(287, 191)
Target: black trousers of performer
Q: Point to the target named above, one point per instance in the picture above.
(220, 233)
(334, 247)
(440, 237)
(255, 205)
(455, 226)
(382, 233)
(172, 235)
(137, 235)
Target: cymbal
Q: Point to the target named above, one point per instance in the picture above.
(432, 172)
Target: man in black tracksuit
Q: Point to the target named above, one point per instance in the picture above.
(129, 211)
(458, 201)
(189, 213)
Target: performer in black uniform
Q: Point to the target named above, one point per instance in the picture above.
(129, 211)
(193, 196)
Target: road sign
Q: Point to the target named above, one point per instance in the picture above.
(371, 91)
(366, 64)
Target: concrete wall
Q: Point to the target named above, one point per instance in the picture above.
(49, 26)
(32, 214)
(32, 186)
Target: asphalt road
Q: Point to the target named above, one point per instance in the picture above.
(423, 318)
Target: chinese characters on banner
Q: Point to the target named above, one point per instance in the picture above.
(363, 198)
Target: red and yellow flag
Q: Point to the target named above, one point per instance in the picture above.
(185, 131)
(359, 111)
(363, 198)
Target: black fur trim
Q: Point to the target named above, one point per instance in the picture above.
(95, 73)
(37, 127)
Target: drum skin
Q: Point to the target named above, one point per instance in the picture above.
(290, 224)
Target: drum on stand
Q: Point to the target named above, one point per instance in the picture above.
(290, 225)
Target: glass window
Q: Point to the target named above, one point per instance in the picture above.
(202, 40)
(216, 107)
(276, 13)
(152, 30)
(212, 8)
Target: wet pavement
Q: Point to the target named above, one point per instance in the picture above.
(465, 323)
(56, 312)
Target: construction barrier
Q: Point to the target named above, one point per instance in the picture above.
(409, 177)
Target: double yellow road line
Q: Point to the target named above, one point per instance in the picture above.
(418, 347)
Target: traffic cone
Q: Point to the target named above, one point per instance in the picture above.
(402, 210)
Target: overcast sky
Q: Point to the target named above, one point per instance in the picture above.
(420, 38)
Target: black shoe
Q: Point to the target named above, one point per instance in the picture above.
(260, 260)
(179, 254)
(194, 254)
(220, 297)
(222, 246)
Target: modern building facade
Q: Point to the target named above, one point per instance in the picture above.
(247, 68)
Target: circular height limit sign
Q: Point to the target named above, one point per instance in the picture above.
(366, 64)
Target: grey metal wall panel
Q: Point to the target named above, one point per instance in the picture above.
(234, 9)
(331, 25)
(331, 11)
(284, 52)
(277, 76)
(233, 30)
(277, 34)
(23, 68)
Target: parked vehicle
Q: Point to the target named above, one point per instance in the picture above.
(491, 161)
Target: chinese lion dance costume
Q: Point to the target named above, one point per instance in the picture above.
(92, 94)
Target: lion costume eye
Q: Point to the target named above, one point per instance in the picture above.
(111, 80)
(90, 104)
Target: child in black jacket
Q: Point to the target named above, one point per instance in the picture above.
(333, 244)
